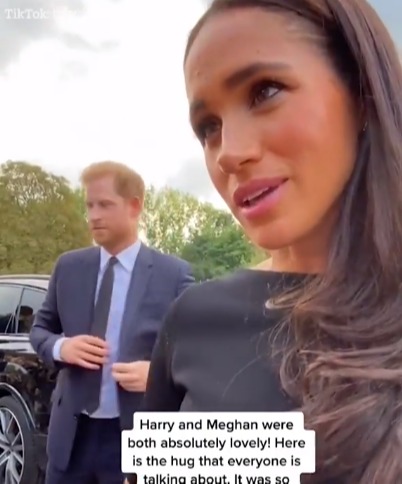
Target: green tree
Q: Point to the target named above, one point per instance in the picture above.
(79, 196)
(210, 239)
(258, 256)
(219, 247)
(41, 218)
(169, 219)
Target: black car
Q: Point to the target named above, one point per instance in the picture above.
(26, 384)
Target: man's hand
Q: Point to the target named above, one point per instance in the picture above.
(131, 376)
(84, 350)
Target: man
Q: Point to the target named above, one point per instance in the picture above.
(98, 324)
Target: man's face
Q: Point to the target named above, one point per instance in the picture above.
(111, 217)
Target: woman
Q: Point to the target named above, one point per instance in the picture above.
(298, 106)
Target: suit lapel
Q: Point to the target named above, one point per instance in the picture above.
(89, 279)
(138, 285)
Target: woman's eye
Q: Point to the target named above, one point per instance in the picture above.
(264, 91)
(206, 129)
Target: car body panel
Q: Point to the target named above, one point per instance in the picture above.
(23, 375)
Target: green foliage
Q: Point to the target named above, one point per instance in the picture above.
(208, 238)
(258, 256)
(169, 219)
(40, 217)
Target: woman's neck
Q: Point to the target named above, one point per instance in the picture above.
(307, 256)
(289, 260)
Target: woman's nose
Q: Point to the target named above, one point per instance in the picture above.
(239, 146)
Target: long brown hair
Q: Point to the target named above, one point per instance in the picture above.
(344, 365)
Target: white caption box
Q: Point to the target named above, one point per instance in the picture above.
(218, 448)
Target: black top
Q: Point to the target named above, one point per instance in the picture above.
(213, 353)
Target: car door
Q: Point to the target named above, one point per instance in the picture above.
(21, 371)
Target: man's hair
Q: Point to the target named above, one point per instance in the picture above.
(128, 183)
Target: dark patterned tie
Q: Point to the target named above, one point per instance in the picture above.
(99, 326)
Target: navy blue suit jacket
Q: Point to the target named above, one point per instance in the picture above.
(157, 280)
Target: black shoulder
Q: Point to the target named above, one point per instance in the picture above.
(206, 299)
(229, 285)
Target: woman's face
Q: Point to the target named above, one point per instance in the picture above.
(278, 127)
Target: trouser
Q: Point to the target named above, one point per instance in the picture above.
(96, 455)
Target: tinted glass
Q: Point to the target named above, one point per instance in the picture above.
(9, 300)
(31, 302)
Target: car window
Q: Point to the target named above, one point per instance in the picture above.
(10, 297)
(31, 302)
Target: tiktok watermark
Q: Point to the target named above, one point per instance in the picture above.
(39, 13)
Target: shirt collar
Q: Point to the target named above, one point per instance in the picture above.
(126, 257)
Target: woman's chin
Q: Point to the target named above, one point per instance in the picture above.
(271, 238)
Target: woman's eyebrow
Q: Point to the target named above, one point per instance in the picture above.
(239, 77)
